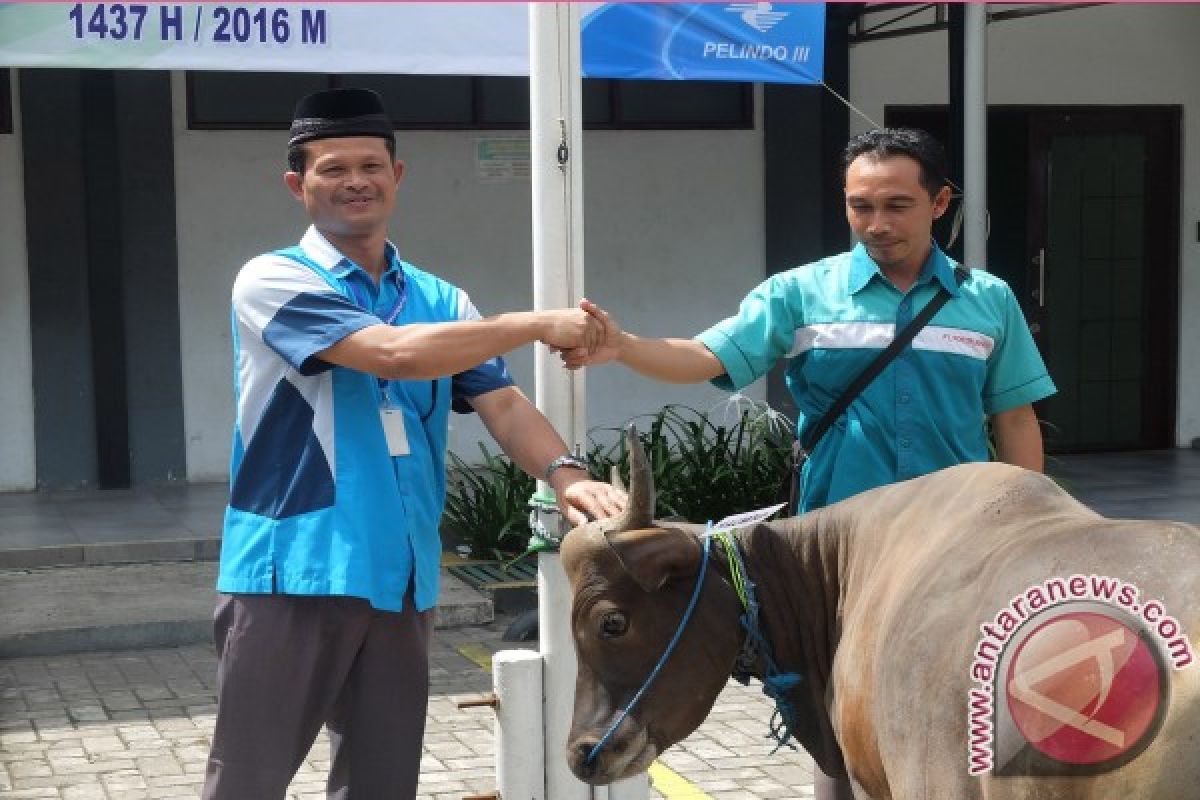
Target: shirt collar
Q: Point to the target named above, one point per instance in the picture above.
(328, 257)
(938, 266)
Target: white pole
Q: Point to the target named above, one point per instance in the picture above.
(520, 763)
(558, 677)
(975, 136)
(635, 787)
(556, 149)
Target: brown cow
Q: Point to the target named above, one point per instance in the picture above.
(893, 606)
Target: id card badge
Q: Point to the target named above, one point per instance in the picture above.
(393, 429)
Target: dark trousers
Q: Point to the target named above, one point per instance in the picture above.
(288, 664)
(827, 788)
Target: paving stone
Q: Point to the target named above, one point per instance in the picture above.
(137, 725)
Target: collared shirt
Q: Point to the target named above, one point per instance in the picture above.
(926, 410)
(317, 505)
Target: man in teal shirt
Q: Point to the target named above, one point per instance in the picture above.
(975, 360)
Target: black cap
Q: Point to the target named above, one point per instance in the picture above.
(333, 113)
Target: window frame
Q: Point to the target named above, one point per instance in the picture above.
(6, 100)
(744, 118)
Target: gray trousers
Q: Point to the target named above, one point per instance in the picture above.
(828, 788)
(288, 664)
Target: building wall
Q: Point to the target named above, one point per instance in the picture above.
(17, 467)
(1103, 55)
(674, 240)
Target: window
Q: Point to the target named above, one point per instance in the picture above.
(264, 101)
(6, 117)
(247, 100)
(670, 104)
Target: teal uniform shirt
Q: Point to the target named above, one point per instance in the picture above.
(926, 410)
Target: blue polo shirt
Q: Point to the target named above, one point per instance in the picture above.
(926, 410)
(317, 505)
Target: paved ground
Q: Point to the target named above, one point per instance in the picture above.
(73, 609)
(136, 725)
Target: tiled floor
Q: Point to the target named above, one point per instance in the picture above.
(137, 725)
(51, 528)
(1157, 484)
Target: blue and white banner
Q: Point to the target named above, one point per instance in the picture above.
(769, 42)
(664, 41)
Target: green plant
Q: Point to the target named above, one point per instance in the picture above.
(487, 505)
(703, 469)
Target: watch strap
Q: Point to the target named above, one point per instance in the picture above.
(564, 461)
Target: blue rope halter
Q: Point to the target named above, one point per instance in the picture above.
(776, 684)
(687, 616)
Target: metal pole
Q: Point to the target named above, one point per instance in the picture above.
(975, 137)
(556, 148)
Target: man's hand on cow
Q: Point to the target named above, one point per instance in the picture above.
(608, 347)
(580, 498)
(571, 330)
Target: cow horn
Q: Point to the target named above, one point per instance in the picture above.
(639, 513)
(615, 478)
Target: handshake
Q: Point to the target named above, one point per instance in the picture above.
(583, 337)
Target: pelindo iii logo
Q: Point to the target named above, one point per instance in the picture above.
(759, 16)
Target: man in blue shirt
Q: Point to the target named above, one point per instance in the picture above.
(348, 361)
(975, 360)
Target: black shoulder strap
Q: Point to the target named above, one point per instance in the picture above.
(885, 357)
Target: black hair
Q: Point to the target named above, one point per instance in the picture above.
(918, 145)
(297, 155)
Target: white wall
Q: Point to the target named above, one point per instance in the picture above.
(17, 465)
(674, 240)
(1104, 55)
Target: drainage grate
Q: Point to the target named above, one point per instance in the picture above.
(494, 574)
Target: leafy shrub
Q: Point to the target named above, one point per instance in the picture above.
(487, 505)
(703, 470)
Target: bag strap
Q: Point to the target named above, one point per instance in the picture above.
(803, 446)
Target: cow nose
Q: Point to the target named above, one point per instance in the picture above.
(583, 750)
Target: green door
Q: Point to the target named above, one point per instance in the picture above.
(1101, 287)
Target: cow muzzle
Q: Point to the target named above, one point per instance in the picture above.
(626, 754)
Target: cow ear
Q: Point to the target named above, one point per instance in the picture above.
(656, 555)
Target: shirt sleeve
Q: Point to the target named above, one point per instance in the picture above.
(1016, 374)
(294, 311)
(749, 343)
(481, 379)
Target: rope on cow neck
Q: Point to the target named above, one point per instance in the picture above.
(776, 683)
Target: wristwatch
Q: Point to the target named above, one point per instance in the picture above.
(564, 461)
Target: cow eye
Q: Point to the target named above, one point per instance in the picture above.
(612, 625)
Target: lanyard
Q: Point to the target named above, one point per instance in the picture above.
(364, 302)
(389, 317)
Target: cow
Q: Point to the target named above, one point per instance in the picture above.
(904, 611)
